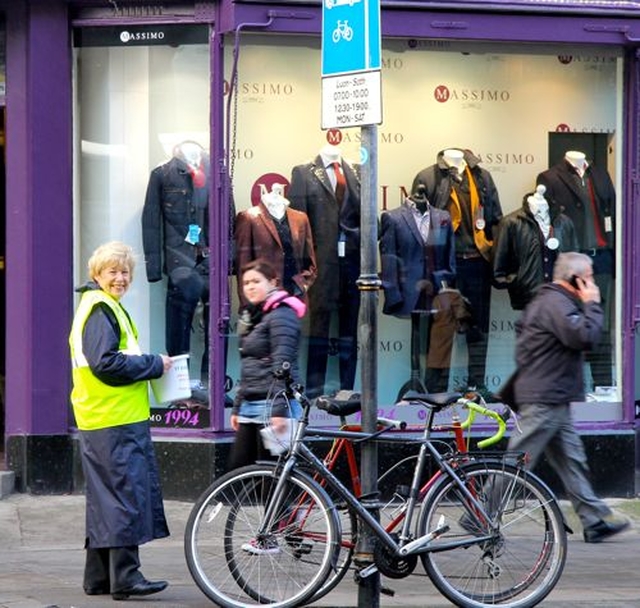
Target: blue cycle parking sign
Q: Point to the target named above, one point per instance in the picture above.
(350, 36)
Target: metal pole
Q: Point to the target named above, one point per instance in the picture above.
(369, 285)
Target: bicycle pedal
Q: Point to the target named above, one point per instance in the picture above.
(304, 548)
(387, 591)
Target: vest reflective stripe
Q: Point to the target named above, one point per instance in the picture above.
(97, 405)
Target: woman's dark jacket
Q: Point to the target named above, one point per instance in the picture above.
(273, 338)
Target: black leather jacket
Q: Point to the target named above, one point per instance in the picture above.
(522, 261)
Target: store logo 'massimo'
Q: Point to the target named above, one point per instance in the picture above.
(442, 94)
(255, 90)
(126, 36)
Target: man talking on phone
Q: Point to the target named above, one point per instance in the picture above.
(562, 322)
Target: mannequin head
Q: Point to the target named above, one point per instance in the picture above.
(419, 197)
(538, 205)
(577, 159)
(274, 201)
(190, 152)
(454, 158)
(330, 154)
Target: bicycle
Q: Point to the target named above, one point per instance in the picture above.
(392, 495)
(488, 532)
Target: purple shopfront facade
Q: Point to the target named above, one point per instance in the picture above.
(40, 445)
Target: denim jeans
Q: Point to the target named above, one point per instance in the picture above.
(260, 411)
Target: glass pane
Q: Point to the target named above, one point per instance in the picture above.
(497, 108)
(142, 135)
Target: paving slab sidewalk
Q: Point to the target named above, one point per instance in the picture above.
(41, 563)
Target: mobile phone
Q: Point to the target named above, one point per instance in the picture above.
(573, 281)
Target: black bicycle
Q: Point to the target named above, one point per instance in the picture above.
(488, 532)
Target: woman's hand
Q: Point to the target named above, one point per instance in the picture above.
(234, 422)
(279, 424)
(167, 363)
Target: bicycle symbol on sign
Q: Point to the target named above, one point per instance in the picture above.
(331, 3)
(343, 30)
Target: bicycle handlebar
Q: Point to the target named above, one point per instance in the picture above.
(475, 408)
(284, 373)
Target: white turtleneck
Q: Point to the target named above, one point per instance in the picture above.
(275, 202)
(539, 207)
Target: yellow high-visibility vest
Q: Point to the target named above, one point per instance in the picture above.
(97, 405)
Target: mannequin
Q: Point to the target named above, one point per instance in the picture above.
(414, 266)
(330, 196)
(527, 245)
(585, 193)
(417, 256)
(456, 183)
(282, 236)
(175, 236)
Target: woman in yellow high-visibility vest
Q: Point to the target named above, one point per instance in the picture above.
(111, 406)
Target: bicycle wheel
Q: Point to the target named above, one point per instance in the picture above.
(346, 547)
(234, 565)
(513, 561)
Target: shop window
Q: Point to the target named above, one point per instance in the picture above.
(142, 107)
(506, 117)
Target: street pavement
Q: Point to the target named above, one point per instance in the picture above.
(42, 558)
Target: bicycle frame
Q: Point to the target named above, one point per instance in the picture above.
(345, 445)
(300, 450)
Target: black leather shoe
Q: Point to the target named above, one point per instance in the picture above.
(143, 588)
(604, 529)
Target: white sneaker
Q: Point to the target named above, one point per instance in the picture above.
(266, 546)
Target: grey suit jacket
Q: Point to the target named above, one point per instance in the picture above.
(311, 192)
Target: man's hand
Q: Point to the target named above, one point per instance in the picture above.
(587, 290)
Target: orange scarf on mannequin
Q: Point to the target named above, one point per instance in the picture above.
(483, 244)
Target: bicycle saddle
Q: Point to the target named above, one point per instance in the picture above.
(342, 403)
(434, 400)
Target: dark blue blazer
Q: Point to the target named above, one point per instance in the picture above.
(410, 266)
